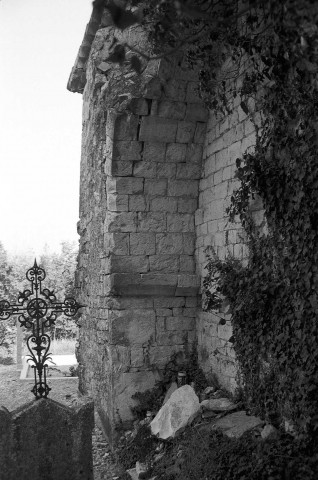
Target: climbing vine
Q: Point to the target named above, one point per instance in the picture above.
(274, 297)
(261, 55)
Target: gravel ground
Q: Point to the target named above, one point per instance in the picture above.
(15, 392)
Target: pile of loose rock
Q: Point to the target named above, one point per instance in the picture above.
(182, 407)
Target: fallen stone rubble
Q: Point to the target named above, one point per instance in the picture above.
(183, 407)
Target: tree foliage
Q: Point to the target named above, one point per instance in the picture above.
(60, 270)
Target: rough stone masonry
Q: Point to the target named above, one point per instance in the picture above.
(156, 173)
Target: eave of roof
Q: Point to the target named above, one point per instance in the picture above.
(77, 80)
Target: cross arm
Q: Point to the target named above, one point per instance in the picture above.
(6, 309)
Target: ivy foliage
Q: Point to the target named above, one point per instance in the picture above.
(207, 454)
(274, 297)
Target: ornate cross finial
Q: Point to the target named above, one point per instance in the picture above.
(38, 309)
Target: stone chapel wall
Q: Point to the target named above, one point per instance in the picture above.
(140, 173)
(226, 140)
(157, 173)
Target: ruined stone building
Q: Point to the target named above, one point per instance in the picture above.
(157, 172)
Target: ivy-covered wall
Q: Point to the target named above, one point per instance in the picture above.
(157, 173)
(227, 138)
(253, 57)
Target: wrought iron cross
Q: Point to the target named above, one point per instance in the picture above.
(38, 309)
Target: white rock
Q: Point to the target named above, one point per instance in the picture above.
(173, 387)
(218, 405)
(179, 410)
(269, 432)
(133, 474)
(141, 469)
(209, 390)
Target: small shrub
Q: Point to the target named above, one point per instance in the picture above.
(73, 370)
(210, 455)
(130, 449)
(6, 360)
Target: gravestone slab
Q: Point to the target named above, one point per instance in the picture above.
(47, 440)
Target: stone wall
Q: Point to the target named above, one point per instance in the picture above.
(156, 179)
(226, 140)
(140, 172)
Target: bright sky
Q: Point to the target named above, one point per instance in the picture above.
(40, 122)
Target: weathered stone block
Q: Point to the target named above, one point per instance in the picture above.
(183, 188)
(159, 356)
(124, 185)
(145, 169)
(176, 89)
(137, 357)
(164, 312)
(169, 243)
(187, 205)
(169, 302)
(151, 222)
(187, 263)
(139, 106)
(188, 285)
(200, 131)
(153, 89)
(196, 113)
(188, 171)
(123, 303)
(157, 129)
(116, 243)
(188, 243)
(156, 187)
(180, 323)
(164, 263)
(117, 203)
(176, 152)
(137, 203)
(154, 151)
(180, 222)
(159, 279)
(126, 127)
(120, 169)
(120, 356)
(169, 109)
(192, 302)
(142, 244)
(164, 204)
(154, 284)
(130, 264)
(171, 338)
(165, 170)
(126, 150)
(121, 222)
(185, 132)
(132, 327)
(194, 153)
